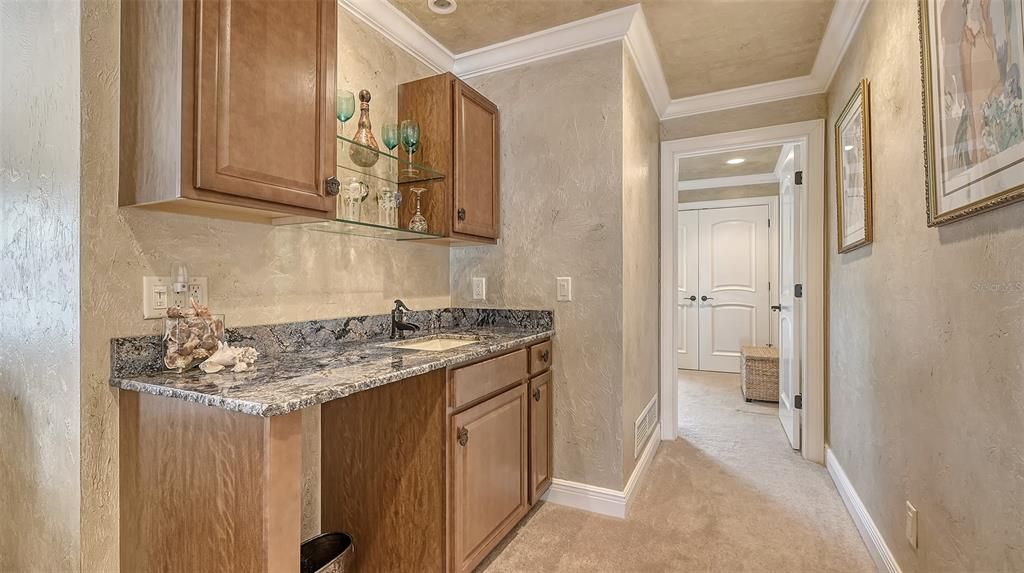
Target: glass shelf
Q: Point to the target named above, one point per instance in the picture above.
(358, 228)
(390, 168)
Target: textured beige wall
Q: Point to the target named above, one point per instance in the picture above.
(39, 300)
(258, 274)
(640, 208)
(561, 215)
(926, 401)
(749, 117)
(738, 192)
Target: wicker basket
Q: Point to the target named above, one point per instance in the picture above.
(759, 373)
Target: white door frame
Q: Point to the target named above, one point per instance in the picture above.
(772, 202)
(812, 135)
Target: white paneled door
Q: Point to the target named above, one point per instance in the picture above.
(789, 309)
(724, 265)
(687, 332)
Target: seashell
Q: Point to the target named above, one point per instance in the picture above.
(241, 359)
(174, 312)
(240, 367)
(211, 367)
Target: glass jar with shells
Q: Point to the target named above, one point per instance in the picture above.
(191, 335)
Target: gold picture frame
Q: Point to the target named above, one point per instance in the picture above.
(853, 171)
(973, 150)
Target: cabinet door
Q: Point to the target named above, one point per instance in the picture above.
(488, 479)
(264, 121)
(541, 452)
(476, 179)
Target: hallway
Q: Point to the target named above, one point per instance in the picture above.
(729, 495)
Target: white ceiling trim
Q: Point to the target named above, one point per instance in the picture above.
(734, 181)
(397, 27)
(578, 35)
(842, 25)
(627, 24)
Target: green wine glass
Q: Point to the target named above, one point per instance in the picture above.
(389, 135)
(410, 131)
(345, 107)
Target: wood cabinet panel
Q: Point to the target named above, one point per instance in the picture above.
(262, 119)
(541, 420)
(540, 357)
(383, 481)
(476, 180)
(475, 381)
(489, 446)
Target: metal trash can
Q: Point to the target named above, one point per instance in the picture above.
(327, 553)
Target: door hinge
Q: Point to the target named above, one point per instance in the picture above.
(798, 290)
(798, 402)
(798, 178)
(769, 223)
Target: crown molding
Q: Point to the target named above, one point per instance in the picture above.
(732, 181)
(397, 27)
(842, 26)
(640, 44)
(627, 24)
(578, 35)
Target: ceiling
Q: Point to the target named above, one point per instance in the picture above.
(704, 45)
(757, 161)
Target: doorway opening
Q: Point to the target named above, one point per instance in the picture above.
(743, 275)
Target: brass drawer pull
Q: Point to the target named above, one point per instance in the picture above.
(536, 395)
(463, 436)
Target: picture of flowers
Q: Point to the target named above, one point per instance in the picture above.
(972, 53)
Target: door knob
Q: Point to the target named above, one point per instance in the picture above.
(776, 307)
(706, 298)
(692, 297)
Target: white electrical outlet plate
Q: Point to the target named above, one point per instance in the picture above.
(564, 288)
(479, 288)
(158, 295)
(911, 525)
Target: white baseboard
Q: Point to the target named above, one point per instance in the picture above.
(602, 500)
(880, 554)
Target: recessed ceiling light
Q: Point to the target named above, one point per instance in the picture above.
(735, 161)
(848, 148)
(442, 6)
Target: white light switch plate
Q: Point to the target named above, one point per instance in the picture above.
(479, 288)
(157, 295)
(911, 525)
(564, 288)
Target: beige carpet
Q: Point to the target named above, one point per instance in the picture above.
(729, 495)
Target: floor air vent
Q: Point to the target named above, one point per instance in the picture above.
(644, 425)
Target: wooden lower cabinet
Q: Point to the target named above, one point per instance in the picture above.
(489, 450)
(541, 417)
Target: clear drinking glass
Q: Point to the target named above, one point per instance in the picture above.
(352, 195)
(388, 202)
(418, 222)
(410, 131)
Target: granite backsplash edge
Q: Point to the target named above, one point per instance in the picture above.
(135, 355)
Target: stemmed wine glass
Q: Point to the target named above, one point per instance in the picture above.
(389, 135)
(345, 107)
(418, 222)
(410, 132)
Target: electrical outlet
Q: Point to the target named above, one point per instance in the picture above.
(158, 295)
(911, 525)
(479, 288)
(564, 285)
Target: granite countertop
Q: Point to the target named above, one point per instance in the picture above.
(290, 381)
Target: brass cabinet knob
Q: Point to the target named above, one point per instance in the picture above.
(545, 355)
(462, 436)
(536, 395)
(332, 186)
(462, 214)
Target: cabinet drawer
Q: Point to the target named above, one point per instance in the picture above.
(540, 357)
(473, 382)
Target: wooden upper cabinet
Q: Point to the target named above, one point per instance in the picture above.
(475, 177)
(228, 104)
(459, 134)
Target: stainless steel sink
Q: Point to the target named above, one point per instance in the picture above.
(433, 343)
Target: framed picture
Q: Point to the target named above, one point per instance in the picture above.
(972, 52)
(853, 171)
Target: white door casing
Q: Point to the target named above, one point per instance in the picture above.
(687, 333)
(789, 273)
(733, 276)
